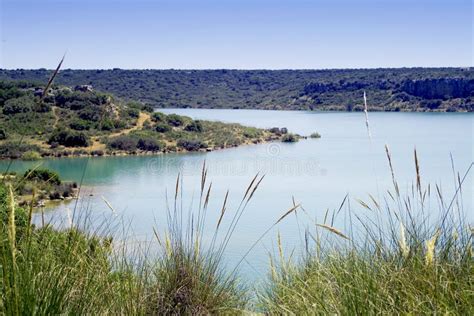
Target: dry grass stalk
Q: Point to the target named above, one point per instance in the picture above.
(366, 112)
(333, 230)
(430, 248)
(403, 242)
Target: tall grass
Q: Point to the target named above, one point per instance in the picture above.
(407, 253)
(189, 276)
(46, 270)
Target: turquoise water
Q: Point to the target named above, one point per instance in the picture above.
(318, 173)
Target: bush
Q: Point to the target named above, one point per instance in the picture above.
(158, 117)
(194, 126)
(123, 142)
(15, 150)
(191, 145)
(133, 113)
(175, 120)
(149, 144)
(251, 132)
(43, 175)
(80, 125)
(31, 155)
(19, 105)
(162, 128)
(3, 134)
(69, 138)
(315, 135)
(289, 138)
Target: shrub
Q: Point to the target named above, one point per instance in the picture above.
(194, 126)
(162, 128)
(251, 132)
(15, 150)
(3, 134)
(43, 175)
(158, 117)
(133, 113)
(107, 125)
(289, 138)
(315, 135)
(175, 120)
(18, 105)
(80, 125)
(31, 155)
(191, 145)
(149, 144)
(69, 138)
(123, 142)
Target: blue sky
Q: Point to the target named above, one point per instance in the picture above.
(244, 34)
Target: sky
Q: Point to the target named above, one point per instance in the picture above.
(236, 34)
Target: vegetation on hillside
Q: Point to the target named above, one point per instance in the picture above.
(402, 89)
(82, 121)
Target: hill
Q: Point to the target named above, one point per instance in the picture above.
(401, 89)
(81, 121)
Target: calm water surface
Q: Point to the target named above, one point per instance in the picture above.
(317, 173)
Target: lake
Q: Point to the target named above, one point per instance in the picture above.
(318, 173)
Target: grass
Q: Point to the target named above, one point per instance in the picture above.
(396, 258)
(80, 270)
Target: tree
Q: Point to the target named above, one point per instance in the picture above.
(18, 105)
(69, 138)
(194, 126)
(162, 128)
(175, 120)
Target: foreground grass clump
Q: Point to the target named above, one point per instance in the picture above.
(69, 271)
(46, 271)
(189, 277)
(403, 262)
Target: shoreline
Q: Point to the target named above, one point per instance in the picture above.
(144, 153)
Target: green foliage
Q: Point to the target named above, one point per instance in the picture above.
(31, 155)
(18, 105)
(158, 117)
(289, 138)
(135, 113)
(69, 138)
(162, 128)
(42, 175)
(332, 89)
(81, 115)
(252, 132)
(123, 142)
(194, 126)
(149, 144)
(191, 144)
(3, 134)
(175, 120)
(15, 150)
(80, 125)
